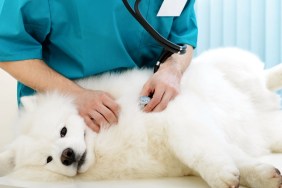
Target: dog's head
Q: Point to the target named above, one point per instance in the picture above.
(53, 137)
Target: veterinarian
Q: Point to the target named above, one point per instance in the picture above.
(46, 44)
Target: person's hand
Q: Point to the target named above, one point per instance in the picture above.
(163, 87)
(98, 109)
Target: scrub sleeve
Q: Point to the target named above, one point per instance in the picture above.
(24, 25)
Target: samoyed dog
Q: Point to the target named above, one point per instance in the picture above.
(225, 117)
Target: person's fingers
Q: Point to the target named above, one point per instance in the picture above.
(98, 118)
(146, 90)
(156, 99)
(164, 102)
(112, 108)
(108, 114)
(91, 124)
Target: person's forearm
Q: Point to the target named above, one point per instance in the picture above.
(179, 61)
(38, 76)
(91, 104)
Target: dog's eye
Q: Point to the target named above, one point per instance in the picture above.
(49, 159)
(63, 132)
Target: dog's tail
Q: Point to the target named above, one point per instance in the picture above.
(274, 77)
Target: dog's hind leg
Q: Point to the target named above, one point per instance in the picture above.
(271, 128)
(220, 164)
(274, 77)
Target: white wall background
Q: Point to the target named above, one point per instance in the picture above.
(255, 25)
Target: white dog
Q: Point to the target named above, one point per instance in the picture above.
(225, 116)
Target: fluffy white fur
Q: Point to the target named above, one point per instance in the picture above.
(223, 119)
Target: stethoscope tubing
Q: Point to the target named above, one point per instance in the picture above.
(169, 47)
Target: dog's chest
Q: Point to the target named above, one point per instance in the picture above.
(132, 154)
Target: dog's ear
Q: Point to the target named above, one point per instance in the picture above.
(7, 160)
(29, 102)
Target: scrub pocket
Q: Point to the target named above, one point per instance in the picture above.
(161, 24)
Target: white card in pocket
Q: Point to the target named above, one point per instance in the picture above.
(172, 7)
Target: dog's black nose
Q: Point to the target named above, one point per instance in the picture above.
(68, 157)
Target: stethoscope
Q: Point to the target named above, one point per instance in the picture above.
(169, 47)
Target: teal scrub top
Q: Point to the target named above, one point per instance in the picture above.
(79, 38)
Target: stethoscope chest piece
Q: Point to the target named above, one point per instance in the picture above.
(143, 101)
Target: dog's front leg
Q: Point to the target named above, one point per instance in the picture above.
(201, 149)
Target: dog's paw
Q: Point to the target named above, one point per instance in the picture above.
(226, 177)
(271, 176)
(263, 175)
